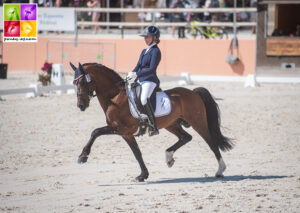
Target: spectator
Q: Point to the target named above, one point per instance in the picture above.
(228, 16)
(62, 3)
(222, 3)
(40, 3)
(187, 16)
(160, 4)
(210, 4)
(178, 17)
(200, 5)
(95, 15)
(215, 4)
(206, 15)
(170, 4)
(253, 3)
(48, 3)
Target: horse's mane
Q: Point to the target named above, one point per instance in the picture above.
(109, 72)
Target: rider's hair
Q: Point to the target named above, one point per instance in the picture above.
(156, 40)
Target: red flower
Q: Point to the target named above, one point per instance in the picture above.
(47, 66)
(45, 76)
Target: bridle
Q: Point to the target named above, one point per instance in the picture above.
(87, 91)
(86, 88)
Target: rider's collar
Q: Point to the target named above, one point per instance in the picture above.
(149, 47)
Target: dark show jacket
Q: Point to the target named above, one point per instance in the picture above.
(147, 65)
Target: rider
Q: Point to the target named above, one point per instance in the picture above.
(145, 72)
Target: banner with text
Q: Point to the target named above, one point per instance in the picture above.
(56, 19)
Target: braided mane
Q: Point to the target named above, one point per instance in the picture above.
(107, 71)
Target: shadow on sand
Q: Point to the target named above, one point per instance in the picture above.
(201, 180)
(214, 179)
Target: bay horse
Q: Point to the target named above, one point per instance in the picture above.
(196, 108)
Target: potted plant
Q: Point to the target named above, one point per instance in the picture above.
(45, 75)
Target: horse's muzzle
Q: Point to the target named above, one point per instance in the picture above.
(82, 107)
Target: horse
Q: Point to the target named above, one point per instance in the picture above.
(196, 108)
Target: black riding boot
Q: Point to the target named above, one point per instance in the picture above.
(149, 111)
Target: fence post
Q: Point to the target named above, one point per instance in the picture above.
(122, 18)
(234, 26)
(107, 16)
(153, 18)
(62, 53)
(37, 90)
(76, 29)
(47, 50)
(142, 20)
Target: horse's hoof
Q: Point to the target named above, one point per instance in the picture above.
(219, 176)
(82, 159)
(140, 179)
(169, 158)
(170, 163)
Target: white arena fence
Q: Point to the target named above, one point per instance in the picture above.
(35, 90)
(185, 79)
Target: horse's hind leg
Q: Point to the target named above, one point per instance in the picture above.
(183, 137)
(203, 131)
(107, 130)
(138, 155)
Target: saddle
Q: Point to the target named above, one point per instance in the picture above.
(137, 91)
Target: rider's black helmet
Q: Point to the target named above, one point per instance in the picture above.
(151, 31)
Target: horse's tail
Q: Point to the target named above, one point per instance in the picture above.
(213, 120)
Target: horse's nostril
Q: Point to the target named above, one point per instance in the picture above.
(81, 107)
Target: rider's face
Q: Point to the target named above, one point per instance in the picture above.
(148, 40)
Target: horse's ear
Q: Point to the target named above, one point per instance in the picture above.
(81, 68)
(73, 67)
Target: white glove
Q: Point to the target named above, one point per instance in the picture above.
(131, 76)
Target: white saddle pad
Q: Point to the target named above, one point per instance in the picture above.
(163, 105)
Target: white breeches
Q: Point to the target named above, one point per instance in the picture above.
(147, 89)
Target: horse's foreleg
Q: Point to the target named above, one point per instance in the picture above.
(183, 137)
(106, 130)
(138, 155)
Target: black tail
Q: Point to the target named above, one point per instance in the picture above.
(214, 121)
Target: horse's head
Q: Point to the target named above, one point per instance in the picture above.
(83, 82)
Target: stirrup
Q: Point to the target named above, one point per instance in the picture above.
(153, 131)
